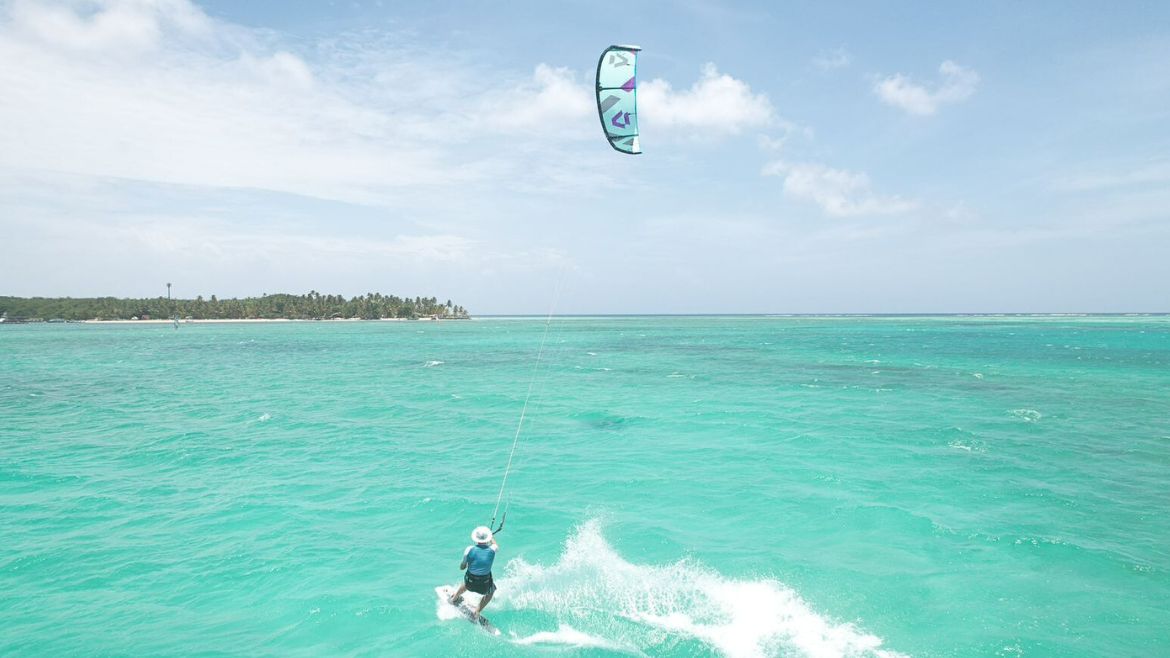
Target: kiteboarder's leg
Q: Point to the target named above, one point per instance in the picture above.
(454, 600)
(482, 604)
(487, 598)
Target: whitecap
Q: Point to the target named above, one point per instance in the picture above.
(264, 418)
(1027, 415)
(432, 364)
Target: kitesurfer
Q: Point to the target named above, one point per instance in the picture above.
(477, 561)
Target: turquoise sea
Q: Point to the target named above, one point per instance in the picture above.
(702, 486)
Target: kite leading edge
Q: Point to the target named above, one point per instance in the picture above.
(617, 97)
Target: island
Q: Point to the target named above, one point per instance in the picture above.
(309, 306)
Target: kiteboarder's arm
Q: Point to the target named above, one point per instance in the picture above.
(463, 564)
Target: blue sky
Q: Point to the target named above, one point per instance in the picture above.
(805, 157)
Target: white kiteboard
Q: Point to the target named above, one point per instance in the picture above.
(465, 608)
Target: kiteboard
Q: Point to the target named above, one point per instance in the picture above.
(465, 607)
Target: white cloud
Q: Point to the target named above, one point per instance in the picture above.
(114, 27)
(282, 69)
(553, 100)
(194, 109)
(958, 84)
(837, 58)
(717, 104)
(158, 91)
(839, 192)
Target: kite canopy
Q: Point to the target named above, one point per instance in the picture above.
(617, 97)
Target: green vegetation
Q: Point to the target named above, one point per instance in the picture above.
(310, 306)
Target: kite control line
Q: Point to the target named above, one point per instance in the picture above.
(523, 413)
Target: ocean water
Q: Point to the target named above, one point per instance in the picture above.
(682, 487)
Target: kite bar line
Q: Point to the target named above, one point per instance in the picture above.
(524, 410)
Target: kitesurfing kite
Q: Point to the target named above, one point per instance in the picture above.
(617, 97)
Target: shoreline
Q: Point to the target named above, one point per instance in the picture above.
(238, 321)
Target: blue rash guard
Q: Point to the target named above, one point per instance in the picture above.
(479, 559)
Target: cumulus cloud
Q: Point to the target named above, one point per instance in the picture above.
(839, 192)
(554, 99)
(717, 104)
(957, 84)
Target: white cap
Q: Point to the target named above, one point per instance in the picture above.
(482, 535)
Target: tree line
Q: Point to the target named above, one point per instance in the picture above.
(309, 306)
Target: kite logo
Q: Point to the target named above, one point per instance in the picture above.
(620, 120)
(614, 58)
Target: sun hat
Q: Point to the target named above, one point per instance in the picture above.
(482, 535)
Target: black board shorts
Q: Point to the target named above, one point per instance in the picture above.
(479, 584)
